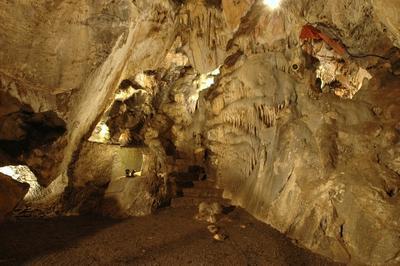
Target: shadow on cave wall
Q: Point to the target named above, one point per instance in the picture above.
(30, 138)
(22, 130)
(35, 129)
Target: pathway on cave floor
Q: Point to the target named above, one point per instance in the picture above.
(170, 237)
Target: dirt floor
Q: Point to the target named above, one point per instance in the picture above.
(170, 237)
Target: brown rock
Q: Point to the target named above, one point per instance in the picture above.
(11, 194)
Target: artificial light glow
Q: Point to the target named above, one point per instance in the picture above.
(23, 174)
(146, 81)
(272, 3)
(207, 80)
(101, 133)
(204, 82)
(123, 95)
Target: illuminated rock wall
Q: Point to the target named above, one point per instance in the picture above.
(308, 163)
(320, 168)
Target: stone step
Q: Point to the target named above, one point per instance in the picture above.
(187, 183)
(204, 184)
(184, 183)
(186, 176)
(195, 201)
(202, 192)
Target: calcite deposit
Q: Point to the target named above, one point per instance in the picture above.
(304, 133)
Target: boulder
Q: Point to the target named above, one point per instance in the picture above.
(128, 197)
(11, 194)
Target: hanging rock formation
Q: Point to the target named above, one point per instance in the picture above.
(303, 142)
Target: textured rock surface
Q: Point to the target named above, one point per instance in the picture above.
(321, 168)
(309, 167)
(129, 197)
(77, 63)
(312, 165)
(11, 194)
(387, 13)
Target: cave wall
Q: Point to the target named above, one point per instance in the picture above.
(322, 169)
(306, 162)
(73, 66)
(55, 45)
(386, 13)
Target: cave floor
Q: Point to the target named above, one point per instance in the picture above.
(169, 237)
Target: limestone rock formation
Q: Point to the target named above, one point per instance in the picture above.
(387, 14)
(11, 194)
(133, 196)
(302, 136)
(299, 163)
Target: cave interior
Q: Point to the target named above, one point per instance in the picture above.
(202, 132)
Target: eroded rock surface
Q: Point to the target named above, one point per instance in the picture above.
(319, 163)
(309, 167)
(134, 196)
(11, 194)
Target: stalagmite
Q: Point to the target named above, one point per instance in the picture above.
(288, 110)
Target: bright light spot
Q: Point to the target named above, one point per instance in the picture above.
(215, 72)
(124, 94)
(8, 170)
(207, 80)
(146, 81)
(204, 82)
(272, 3)
(177, 59)
(193, 98)
(23, 174)
(104, 131)
(101, 133)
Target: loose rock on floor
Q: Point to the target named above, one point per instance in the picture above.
(170, 237)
